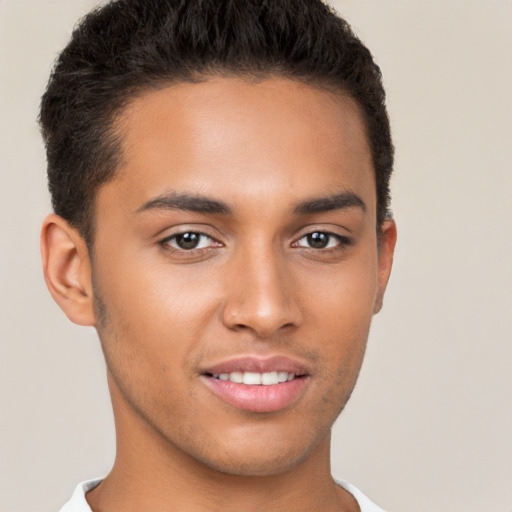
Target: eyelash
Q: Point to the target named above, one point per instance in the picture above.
(166, 242)
(343, 242)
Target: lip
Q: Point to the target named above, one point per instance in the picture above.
(258, 398)
(258, 364)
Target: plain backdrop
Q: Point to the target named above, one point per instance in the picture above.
(429, 426)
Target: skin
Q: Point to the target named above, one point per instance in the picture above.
(255, 286)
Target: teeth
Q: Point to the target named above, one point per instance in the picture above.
(282, 376)
(256, 379)
(252, 379)
(269, 378)
(236, 377)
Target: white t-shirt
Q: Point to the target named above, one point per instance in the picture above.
(78, 503)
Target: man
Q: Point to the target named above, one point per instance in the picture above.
(219, 172)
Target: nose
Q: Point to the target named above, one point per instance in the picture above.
(261, 295)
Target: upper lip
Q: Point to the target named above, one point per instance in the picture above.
(258, 365)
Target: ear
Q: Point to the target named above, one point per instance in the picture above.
(386, 251)
(67, 269)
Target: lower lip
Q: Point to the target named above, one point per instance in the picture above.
(258, 398)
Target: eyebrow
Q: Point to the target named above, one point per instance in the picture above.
(339, 201)
(201, 204)
(186, 202)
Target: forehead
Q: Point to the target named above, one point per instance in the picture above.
(242, 139)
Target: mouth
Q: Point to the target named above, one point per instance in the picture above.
(255, 378)
(258, 385)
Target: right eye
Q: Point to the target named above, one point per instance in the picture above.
(189, 240)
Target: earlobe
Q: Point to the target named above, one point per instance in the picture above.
(386, 251)
(67, 269)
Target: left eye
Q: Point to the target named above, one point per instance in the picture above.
(189, 241)
(319, 240)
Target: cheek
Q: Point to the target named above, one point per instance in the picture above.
(339, 318)
(147, 311)
(156, 295)
(147, 338)
(341, 297)
(157, 319)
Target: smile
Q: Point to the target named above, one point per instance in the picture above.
(258, 385)
(256, 379)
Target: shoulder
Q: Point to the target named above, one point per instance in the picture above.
(77, 502)
(365, 504)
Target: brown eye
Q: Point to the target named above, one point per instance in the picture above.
(318, 240)
(322, 240)
(189, 241)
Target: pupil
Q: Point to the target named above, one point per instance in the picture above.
(318, 240)
(187, 240)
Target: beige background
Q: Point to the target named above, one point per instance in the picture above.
(429, 426)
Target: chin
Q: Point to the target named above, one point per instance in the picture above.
(245, 465)
(263, 456)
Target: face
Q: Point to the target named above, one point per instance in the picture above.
(236, 270)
